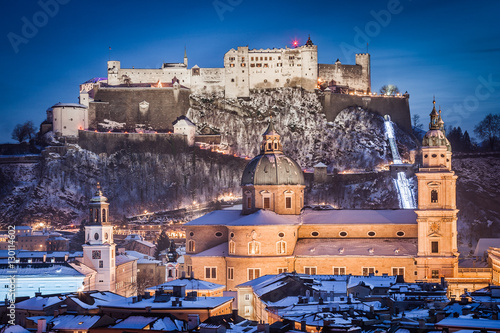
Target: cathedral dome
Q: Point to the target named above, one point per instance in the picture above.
(272, 169)
(271, 166)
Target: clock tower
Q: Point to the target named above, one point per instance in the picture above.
(99, 248)
(437, 209)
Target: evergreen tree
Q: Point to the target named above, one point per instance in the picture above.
(162, 243)
(78, 239)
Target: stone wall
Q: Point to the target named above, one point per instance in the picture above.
(397, 107)
(122, 105)
(109, 143)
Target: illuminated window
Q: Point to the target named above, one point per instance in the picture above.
(232, 247)
(435, 274)
(191, 245)
(288, 202)
(253, 273)
(338, 270)
(281, 247)
(435, 247)
(310, 270)
(282, 270)
(253, 247)
(230, 273)
(434, 196)
(368, 270)
(398, 271)
(249, 202)
(210, 272)
(267, 202)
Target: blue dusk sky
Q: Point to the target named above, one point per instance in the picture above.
(450, 49)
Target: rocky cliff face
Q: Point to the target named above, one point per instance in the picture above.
(58, 188)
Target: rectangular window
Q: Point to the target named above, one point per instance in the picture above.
(282, 270)
(288, 202)
(253, 273)
(249, 202)
(101, 264)
(368, 270)
(398, 271)
(338, 270)
(230, 273)
(247, 297)
(267, 202)
(310, 270)
(435, 274)
(210, 272)
(435, 247)
(189, 270)
(251, 58)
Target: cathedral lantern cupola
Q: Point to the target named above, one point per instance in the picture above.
(272, 180)
(98, 208)
(436, 149)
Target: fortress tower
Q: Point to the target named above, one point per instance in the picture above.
(99, 248)
(437, 211)
(363, 60)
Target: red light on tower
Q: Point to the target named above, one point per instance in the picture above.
(295, 43)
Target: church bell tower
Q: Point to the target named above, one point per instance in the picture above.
(437, 211)
(99, 248)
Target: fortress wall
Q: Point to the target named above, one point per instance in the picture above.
(122, 105)
(397, 107)
(109, 143)
(146, 75)
(345, 75)
(208, 80)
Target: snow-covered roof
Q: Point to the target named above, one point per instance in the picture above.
(98, 299)
(484, 243)
(216, 251)
(123, 258)
(200, 302)
(356, 247)
(234, 218)
(145, 243)
(138, 255)
(320, 165)
(42, 270)
(190, 284)
(135, 322)
(218, 217)
(81, 267)
(184, 120)
(372, 281)
(361, 216)
(74, 105)
(39, 302)
(70, 322)
(13, 329)
(470, 323)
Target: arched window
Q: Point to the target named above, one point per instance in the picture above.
(281, 247)
(232, 247)
(253, 247)
(434, 196)
(104, 215)
(95, 214)
(191, 245)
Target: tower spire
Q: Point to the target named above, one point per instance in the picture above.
(271, 140)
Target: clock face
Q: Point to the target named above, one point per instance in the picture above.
(96, 236)
(96, 254)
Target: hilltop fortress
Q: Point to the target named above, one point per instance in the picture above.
(246, 69)
(155, 97)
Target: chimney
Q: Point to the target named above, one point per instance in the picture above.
(303, 326)
(41, 326)
(421, 324)
(193, 321)
(134, 299)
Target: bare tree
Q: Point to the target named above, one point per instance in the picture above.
(24, 131)
(389, 90)
(488, 129)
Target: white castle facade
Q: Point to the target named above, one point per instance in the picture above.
(246, 69)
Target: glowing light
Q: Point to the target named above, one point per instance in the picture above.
(295, 43)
